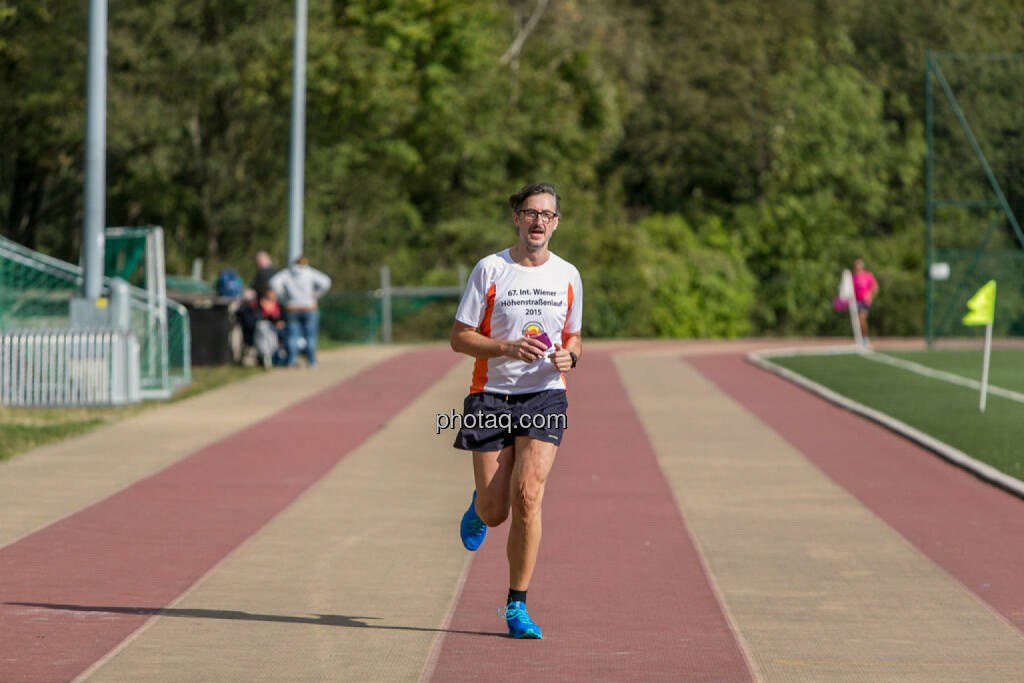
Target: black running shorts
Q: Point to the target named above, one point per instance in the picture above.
(491, 422)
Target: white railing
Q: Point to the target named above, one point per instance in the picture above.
(69, 368)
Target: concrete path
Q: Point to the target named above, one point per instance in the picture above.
(700, 525)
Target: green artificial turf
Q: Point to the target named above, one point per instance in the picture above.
(946, 411)
(1006, 367)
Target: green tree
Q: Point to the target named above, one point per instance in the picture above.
(663, 278)
(198, 120)
(42, 87)
(837, 169)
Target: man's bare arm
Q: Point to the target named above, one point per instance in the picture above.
(468, 340)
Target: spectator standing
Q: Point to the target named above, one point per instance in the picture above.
(298, 287)
(865, 288)
(264, 271)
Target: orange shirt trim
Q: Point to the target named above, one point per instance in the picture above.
(480, 368)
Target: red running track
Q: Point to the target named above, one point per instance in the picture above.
(619, 590)
(974, 530)
(142, 547)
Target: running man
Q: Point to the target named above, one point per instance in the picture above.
(520, 317)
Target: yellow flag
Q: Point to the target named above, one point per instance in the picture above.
(982, 305)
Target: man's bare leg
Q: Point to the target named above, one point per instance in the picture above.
(492, 471)
(532, 464)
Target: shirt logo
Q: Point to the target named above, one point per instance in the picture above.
(533, 330)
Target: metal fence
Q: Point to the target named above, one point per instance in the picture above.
(389, 314)
(69, 367)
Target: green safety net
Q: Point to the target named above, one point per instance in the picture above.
(35, 291)
(975, 188)
(970, 269)
(356, 317)
(123, 253)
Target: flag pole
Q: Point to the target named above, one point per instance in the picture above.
(984, 366)
(858, 334)
(982, 311)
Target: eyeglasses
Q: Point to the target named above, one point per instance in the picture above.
(533, 214)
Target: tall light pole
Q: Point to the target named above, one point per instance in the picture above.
(85, 311)
(95, 152)
(296, 186)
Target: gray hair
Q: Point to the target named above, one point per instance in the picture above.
(516, 200)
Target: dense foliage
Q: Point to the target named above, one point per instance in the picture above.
(720, 160)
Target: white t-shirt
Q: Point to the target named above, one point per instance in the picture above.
(507, 301)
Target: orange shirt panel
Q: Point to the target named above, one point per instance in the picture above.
(480, 367)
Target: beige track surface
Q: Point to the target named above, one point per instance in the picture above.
(353, 582)
(818, 588)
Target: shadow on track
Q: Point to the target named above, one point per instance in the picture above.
(316, 620)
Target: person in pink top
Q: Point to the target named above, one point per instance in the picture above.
(865, 288)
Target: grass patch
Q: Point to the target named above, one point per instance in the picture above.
(946, 411)
(22, 429)
(17, 438)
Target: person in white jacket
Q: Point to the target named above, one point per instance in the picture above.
(298, 287)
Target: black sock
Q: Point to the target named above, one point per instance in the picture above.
(515, 596)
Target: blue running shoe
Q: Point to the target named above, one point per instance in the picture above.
(473, 530)
(520, 625)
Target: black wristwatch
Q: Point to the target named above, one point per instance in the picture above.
(574, 359)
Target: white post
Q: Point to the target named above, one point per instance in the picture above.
(847, 293)
(156, 290)
(858, 336)
(984, 366)
(385, 304)
(120, 305)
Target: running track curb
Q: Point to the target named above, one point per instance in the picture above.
(957, 457)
